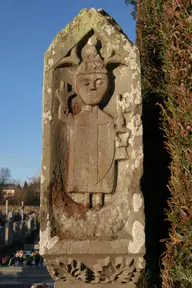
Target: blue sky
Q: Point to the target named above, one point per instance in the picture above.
(27, 28)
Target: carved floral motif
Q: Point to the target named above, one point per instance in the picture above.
(120, 270)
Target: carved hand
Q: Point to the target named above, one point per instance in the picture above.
(63, 96)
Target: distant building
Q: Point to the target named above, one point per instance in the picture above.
(9, 190)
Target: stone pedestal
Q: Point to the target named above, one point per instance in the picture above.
(92, 210)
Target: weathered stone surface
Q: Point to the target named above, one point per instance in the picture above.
(91, 203)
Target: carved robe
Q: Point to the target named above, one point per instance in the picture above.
(91, 152)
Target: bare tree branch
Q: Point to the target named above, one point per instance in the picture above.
(5, 176)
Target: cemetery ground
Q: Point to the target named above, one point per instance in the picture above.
(20, 263)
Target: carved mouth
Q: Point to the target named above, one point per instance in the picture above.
(93, 95)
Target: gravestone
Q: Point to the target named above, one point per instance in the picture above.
(10, 215)
(9, 234)
(31, 224)
(92, 211)
(6, 207)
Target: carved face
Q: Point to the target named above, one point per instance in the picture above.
(92, 87)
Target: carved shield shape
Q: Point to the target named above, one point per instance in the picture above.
(91, 156)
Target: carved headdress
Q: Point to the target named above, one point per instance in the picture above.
(92, 61)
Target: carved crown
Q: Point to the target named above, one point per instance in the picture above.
(92, 61)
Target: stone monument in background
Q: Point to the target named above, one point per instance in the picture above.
(92, 211)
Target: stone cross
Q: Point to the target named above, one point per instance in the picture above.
(92, 210)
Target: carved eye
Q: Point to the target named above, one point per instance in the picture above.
(99, 82)
(85, 82)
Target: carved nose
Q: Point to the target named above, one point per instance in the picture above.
(93, 86)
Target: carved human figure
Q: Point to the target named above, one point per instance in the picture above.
(92, 132)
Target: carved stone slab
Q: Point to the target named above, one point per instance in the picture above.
(92, 211)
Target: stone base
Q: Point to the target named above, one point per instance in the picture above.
(83, 285)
